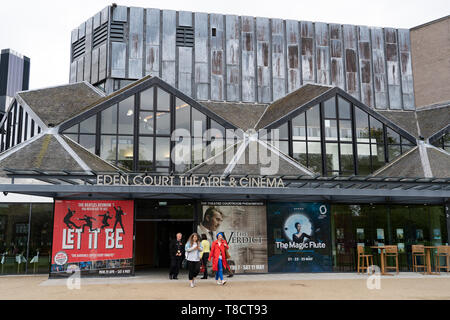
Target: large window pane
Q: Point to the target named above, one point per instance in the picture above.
(146, 123)
(364, 167)
(14, 221)
(89, 125)
(315, 156)
(183, 115)
(163, 123)
(299, 153)
(299, 127)
(145, 152)
(344, 109)
(313, 123)
(330, 109)
(346, 131)
(331, 130)
(376, 131)
(109, 120)
(40, 238)
(332, 158)
(162, 152)
(163, 100)
(147, 101)
(347, 165)
(198, 123)
(126, 116)
(88, 141)
(378, 159)
(362, 125)
(394, 152)
(283, 132)
(126, 152)
(392, 136)
(108, 148)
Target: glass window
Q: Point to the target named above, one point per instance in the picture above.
(217, 131)
(125, 152)
(14, 219)
(347, 165)
(147, 99)
(378, 159)
(392, 136)
(182, 155)
(394, 152)
(330, 109)
(299, 153)
(162, 152)
(364, 166)
(73, 137)
(198, 123)
(284, 147)
(163, 100)
(183, 115)
(40, 238)
(376, 131)
(146, 123)
(108, 148)
(145, 152)
(315, 156)
(332, 158)
(313, 123)
(331, 130)
(163, 123)
(198, 148)
(345, 127)
(89, 125)
(344, 109)
(299, 127)
(126, 116)
(284, 132)
(109, 120)
(88, 142)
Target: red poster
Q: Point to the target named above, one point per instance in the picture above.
(91, 233)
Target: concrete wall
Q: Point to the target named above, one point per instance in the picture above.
(431, 62)
(249, 59)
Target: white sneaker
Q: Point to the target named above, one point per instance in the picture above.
(192, 284)
(219, 282)
(224, 281)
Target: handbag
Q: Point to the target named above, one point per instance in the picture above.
(227, 254)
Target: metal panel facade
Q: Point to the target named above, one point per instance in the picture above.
(249, 59)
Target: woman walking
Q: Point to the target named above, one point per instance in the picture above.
(204, 255)
(219, 257)
(193, 249)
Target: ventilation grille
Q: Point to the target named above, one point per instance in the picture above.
(100, 35)
(185, 37)
(78, 48)
(117, 31)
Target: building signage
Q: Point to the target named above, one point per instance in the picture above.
(190, 181)
(299, 237)
(94, 236)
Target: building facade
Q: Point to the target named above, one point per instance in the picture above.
(14, 76)
(298, 140)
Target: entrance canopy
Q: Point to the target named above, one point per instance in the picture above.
(81, 185)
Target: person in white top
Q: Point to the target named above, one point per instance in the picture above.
(193, 249)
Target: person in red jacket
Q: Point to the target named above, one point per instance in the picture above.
(219, 258)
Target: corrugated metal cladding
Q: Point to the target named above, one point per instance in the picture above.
(248, 59)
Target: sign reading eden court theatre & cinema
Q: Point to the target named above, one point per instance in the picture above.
(190, 181)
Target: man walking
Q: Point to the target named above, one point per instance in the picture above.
(176, 251)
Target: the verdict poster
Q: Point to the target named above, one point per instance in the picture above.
(299, 237)
(94, 236)
(245, 229)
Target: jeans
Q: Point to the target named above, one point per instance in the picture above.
(219, 273)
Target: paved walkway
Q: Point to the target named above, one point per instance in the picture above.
(157, 286)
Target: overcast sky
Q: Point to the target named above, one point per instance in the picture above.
(41, 29)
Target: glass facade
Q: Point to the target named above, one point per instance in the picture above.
(337, 137)
(135, 134)
(374, 225)
(25, 238)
